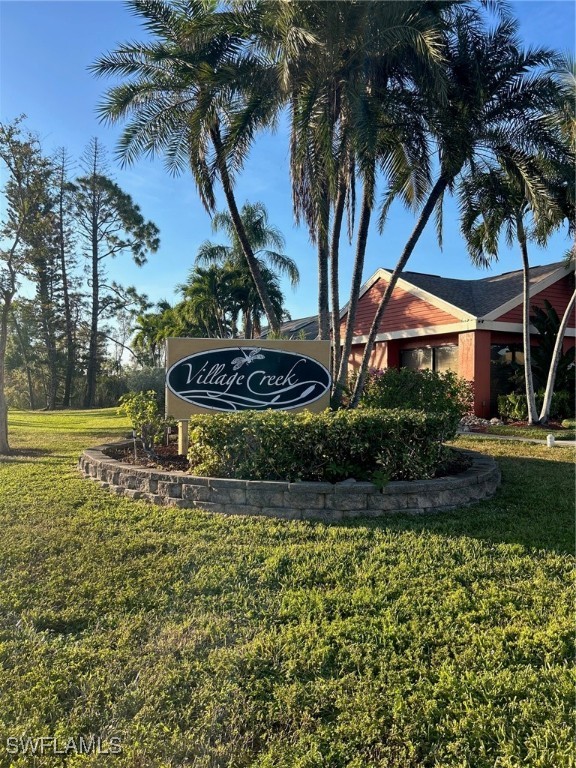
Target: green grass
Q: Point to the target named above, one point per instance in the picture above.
(208, 641)
(536, 433)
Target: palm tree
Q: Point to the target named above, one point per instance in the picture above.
(499, 201)
(150, 333)
(209, 299)
(496, 98)
(350, 84)
(249, 302)
(234, 70)
(557, 351)
(182, 88)
(564, 117)
(266, 242)
(265, 239)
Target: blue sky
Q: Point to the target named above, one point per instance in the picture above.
(45, 50)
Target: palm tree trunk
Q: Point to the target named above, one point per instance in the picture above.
(530, 398)
(220, 325)
(435, 195)
(367, 200)
(556, 354)
(334, 287)
(248, 326)
(241, 232)
(323, 306)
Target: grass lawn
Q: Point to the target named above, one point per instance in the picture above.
(537, 433)
(206, 641)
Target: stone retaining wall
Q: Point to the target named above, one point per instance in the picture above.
(301, 500)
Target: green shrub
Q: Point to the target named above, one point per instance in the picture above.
(562, 406)
(146, 420)
(569, 423)
(512, 406)
(109, 389)
(437, 392)
(515, 408)
(366, 444)
(145, 379)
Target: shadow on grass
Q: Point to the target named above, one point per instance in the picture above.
(69, 428)
(26, 453)
(47, 455)
(534, 507)
(48, 458)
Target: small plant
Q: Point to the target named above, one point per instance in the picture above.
(513, 406)
(145, 417)
(380, 478)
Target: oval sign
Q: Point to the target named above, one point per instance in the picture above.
(248, 378)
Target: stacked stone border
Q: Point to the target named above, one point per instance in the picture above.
(294, 501)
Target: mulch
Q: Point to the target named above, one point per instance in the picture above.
(166, 458)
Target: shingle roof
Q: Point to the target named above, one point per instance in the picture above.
(479, 297)
(294, 329)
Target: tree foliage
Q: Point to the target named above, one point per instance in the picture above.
(59, 337)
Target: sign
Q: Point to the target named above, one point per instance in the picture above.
(207, 375)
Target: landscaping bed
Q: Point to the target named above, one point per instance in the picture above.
(533, 431)
(517, 428)
(291, 500)
(167, 458)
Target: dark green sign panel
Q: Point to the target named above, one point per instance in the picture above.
(248, 378)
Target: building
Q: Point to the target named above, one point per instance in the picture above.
(472, 327)
(303, 328)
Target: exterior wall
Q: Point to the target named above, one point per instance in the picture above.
(557, 294)
(474, 364)
(440, 340)
(406, 311)
(403, 312)
(384, 355)
(473, 358)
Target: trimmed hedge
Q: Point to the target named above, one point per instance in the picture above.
(365, 444)
(429, 390)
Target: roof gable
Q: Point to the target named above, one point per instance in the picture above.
(511, 295)
(486, 298)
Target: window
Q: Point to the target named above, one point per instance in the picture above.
(416, 359)
(440, 359)
(506, 371)
(446, 358)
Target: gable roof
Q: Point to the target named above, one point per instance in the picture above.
(485, 298)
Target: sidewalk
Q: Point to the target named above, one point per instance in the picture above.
(484, 436)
